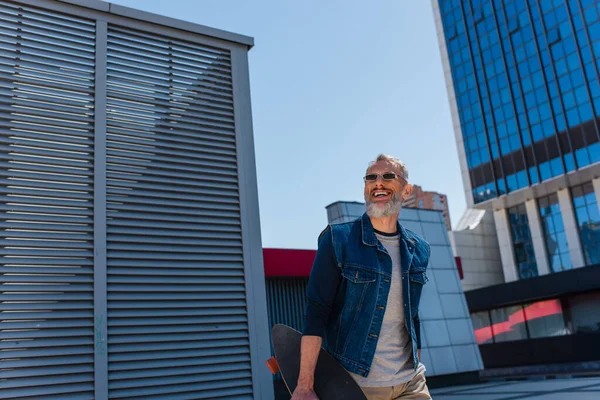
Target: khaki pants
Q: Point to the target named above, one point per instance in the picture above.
(413, 389)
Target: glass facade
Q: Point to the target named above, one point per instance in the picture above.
(585, 312)
(526, 78)
(540, 319)
(482, 325)
(588, 221)
(555, 237)
(508, 324)
(545, 318)
(522, 243)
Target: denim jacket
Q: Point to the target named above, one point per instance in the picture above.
(348, 289)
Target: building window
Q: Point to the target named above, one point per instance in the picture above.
(437, 202)
(483, 327)
(522, 243)
(588, 221)
(585, 312)
(421, 204)
(545, 318)
(555, 236)
(540, 319)
(535, 59)
(508, 324)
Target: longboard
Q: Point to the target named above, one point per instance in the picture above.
(332, 381)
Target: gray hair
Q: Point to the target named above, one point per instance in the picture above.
(392, 160)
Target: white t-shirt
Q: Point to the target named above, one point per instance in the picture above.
(393, 363)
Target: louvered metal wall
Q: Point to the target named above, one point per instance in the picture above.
(286, 300)
(125, 155)
(175, 266)
(46, 175)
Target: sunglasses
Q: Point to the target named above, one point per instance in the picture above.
(388, 176)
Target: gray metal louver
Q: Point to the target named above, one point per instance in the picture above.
(46, 205)
(286, 300)
(177, 313)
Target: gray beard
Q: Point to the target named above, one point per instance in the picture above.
(390, 209)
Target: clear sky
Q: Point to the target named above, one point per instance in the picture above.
(334, 83)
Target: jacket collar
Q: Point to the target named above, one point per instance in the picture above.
(368, 233)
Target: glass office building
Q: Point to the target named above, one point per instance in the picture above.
(525, 76)
(523, 81)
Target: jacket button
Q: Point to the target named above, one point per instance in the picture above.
(372, 335)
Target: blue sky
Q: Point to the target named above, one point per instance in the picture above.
(334, 83)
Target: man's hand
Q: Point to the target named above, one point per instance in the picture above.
(302, 393)
(309, 353)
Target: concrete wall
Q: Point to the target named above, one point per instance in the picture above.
(476, 243)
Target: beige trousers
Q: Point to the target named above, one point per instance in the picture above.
(413, 389)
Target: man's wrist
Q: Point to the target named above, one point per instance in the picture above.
(306, 382)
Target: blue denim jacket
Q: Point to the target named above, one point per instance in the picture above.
(348, 290)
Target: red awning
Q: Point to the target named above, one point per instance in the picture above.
(288, 262)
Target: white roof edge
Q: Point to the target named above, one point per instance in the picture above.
(145, 16)
(470, 219)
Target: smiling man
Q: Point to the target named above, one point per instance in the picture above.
(363, 294)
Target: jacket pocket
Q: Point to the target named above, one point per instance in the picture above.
(418, 277)
(358, 275)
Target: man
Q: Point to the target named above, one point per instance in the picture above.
(363, 294)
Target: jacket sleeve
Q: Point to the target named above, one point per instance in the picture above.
(322, 287)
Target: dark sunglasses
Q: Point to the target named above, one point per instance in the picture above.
(388, 176)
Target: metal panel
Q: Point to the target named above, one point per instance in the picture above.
(252, 245)
(177, 312)
(137, 137)
(100, 305)
(286, 300)
(46, 189)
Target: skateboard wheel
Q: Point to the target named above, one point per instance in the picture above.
(273, 365)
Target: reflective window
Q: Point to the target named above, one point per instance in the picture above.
(545, 318)
(437, 202)
(555, 237)
(579, 313)
(508, 323)
(523, 72)
(588, 221)
(522, 243)
(483, 327)
(585, 312)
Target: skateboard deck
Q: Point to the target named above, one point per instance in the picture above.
(332, 381)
